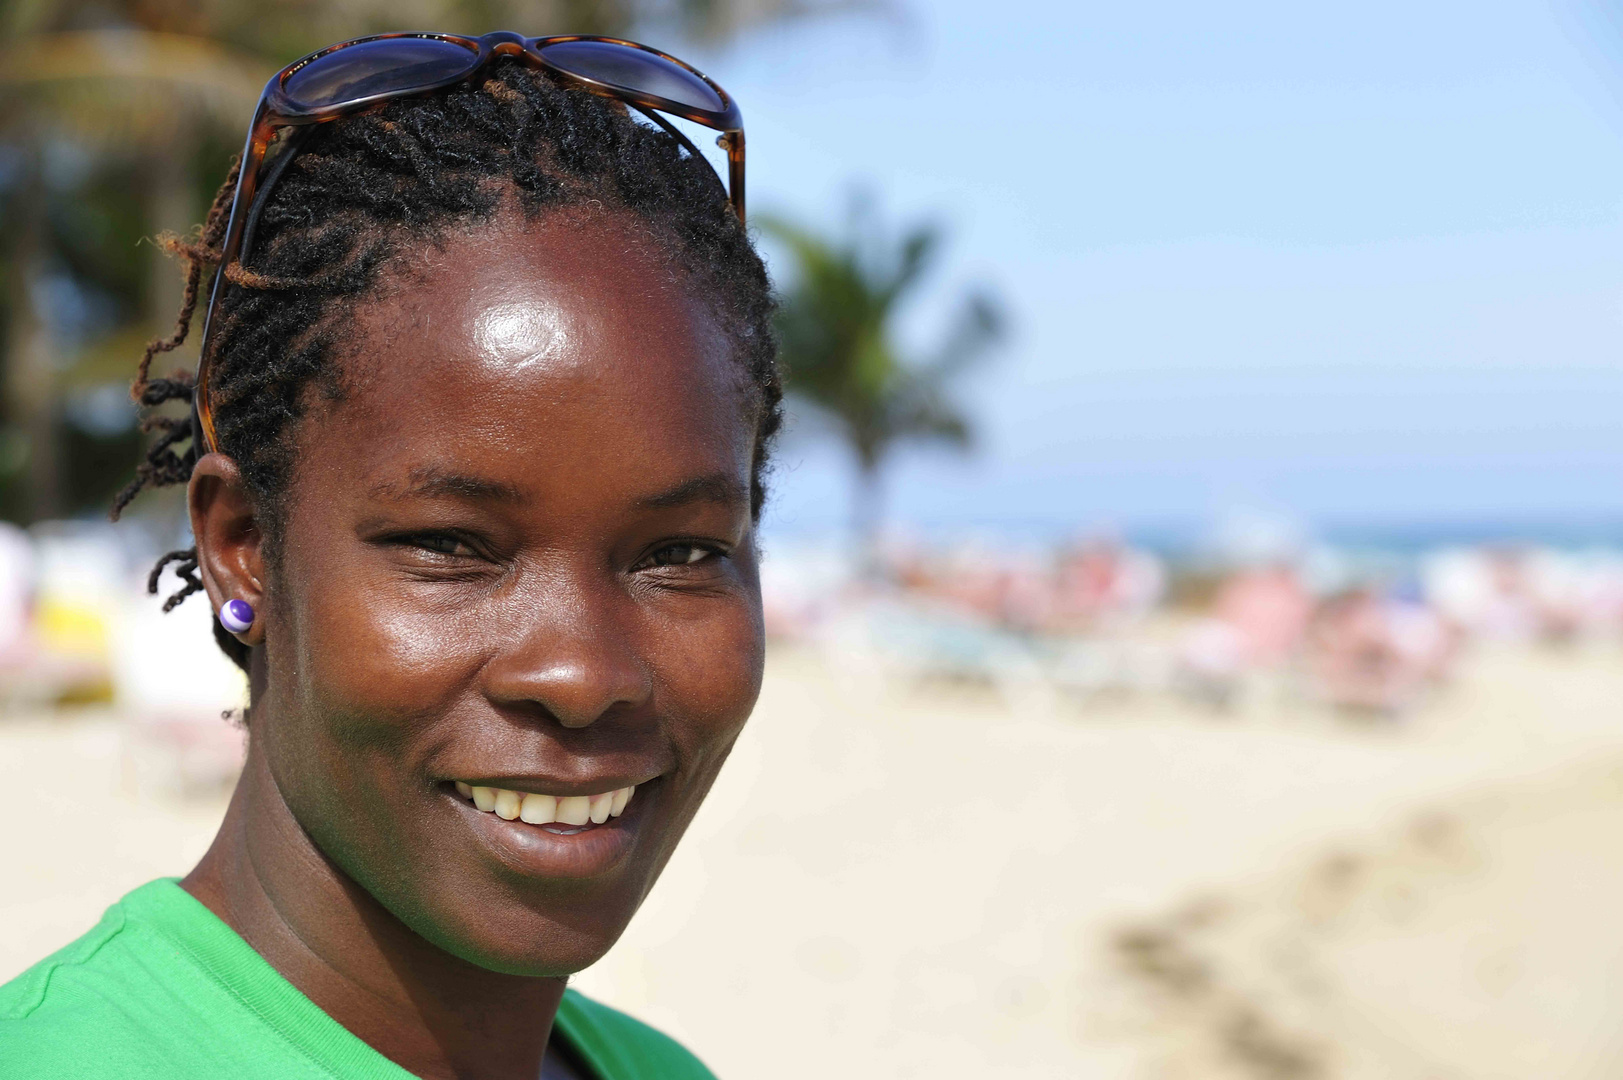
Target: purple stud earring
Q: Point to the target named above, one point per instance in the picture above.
(237, 616)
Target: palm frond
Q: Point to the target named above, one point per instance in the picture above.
(979, 323)
(117, 87)
(836, 328)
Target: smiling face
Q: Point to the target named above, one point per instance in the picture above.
(518, 554)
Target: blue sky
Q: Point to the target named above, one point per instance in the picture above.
(1361, 265)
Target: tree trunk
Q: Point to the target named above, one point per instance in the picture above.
(866, 518)
(30, 374)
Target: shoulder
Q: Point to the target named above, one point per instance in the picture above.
(25, 995)
(621, 1047)
(62, 1017)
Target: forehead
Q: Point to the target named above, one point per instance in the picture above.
(538, 345)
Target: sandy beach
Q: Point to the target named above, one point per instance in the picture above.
(898, 880)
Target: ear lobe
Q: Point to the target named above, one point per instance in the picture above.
(230, 543)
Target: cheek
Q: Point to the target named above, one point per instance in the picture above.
(373, 679)
(361, 672)
(714, 671)
(390, 651)
(709, 670)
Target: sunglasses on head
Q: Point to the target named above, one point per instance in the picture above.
(342, 80)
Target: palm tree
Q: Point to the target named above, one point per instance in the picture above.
(152, 88)
(131, 99)
(837, 328)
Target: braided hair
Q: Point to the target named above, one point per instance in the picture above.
(366, 188)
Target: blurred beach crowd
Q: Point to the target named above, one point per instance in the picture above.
(79, 631)
(1364, 633)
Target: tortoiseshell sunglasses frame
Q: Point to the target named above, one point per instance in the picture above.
(277, 110)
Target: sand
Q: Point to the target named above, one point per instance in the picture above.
(894, 880)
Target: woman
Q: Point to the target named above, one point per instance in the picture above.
(488, 396)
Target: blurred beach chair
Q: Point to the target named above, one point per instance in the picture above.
(1518, 594)
(1210, 663)
(919, 640)
(55, 627)
(1375, 654)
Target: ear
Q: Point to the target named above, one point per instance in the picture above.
(230, 543)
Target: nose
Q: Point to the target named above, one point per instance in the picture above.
(574, 659)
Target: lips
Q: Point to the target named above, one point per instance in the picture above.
(543, 835)
(536, 808)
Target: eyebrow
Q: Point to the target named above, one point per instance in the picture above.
(434, 482)
(715, 488)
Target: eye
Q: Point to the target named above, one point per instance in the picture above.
(684, 553)
(439, 544)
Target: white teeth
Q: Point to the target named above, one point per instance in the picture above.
(539, 809)
(545, 809)
(575, 810)
(507, 803)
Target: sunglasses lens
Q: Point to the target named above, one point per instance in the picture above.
(636, 70)
(376, 67)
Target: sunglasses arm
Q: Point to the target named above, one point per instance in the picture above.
(260, 132)
(733, 143)
(735, 192)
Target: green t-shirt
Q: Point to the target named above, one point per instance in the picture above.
(161, 988)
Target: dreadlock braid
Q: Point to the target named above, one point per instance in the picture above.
(367, 188)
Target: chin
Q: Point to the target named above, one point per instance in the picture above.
(537, 944)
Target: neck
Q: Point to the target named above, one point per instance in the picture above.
(432, 1013)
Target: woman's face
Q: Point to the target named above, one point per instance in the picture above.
(518, 555)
